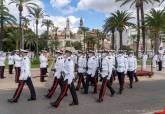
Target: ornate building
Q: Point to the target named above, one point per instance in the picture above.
(66, 36)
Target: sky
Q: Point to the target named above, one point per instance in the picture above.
(93, 12)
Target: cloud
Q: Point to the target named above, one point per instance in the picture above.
(109, 6)
(14, 10)
(59, 3)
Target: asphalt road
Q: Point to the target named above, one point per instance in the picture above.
(146, 97)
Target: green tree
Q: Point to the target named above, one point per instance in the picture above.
(5, 18)
(139, 4)
(37, 13)
(90, 40)
(21, 4)
(48, 23)
(155, 20)
(110, 26)
(77, 45)
(68, 44)
(122, 19)
(30, 40)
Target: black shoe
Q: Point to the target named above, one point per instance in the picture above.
(120, 92)
(113, 93)
(53, 105)
(100, 100)
(85, 93)
(12, 101)
(130, 86)
(136, 80)
(73, 104)
(32, 99)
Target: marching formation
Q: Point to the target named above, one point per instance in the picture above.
(86, 68)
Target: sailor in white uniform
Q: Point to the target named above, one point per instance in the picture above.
(10, 62)
(68, 80)
(25, 77)
(106, 74)
(43, 65)
(132, 66)
(2, 64)
(91, 72)
(17, 60)
(81, 70)
(121, 63)
(58, 75)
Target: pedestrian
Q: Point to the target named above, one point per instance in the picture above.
(25, 77)
(163, 61)
(91, 72)
(58, 74)
(2, 64)
(68, 80)
(17, 65)
(159, 62)
(10, 62)
(43, 65)
(106, 74)
(121, 64)
(132, 66)
(144, 60)
(154, 61)
(81, 70)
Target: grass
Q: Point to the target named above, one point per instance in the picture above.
(35, 62)
(148, 61)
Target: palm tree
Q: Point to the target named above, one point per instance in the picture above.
(77, 45)
(21, 4)
(48, 23)
(139, 4)
(37, 13)
(91, 41)
(6, 18)
(30, 42)
(156, 23)
(122, 19)
(84, 29)
(110, 26)
(25, 22)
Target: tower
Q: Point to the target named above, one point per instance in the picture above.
(81, 22)
(67, 30)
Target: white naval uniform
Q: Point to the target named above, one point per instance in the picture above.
(59, 66)
(82, 64)
(144, 60)
(24, 78)
(2, 65)
(163, 61)
(92, 66)
(2, 60)
(10, 60)
(132, 63)
(25, 68)
(43, 61)
(122, 63)
(69, 70)
(17, 60)
(107, 66)
(154, 61)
